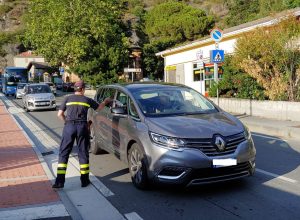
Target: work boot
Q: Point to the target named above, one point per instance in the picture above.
(85, 181)
(59, 182)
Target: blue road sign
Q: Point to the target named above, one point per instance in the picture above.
(216, 34)
(217, 56)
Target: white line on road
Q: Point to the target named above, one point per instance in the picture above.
(276, 176)
(264, 136)
(133, 216)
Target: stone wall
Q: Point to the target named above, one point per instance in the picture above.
(279, 110)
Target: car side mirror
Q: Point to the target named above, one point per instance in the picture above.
(119, 111)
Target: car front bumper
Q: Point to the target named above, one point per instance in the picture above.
(191, 166)
(41, 106)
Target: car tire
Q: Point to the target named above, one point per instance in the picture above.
(94, 145)
(25, 107)
(137, 167)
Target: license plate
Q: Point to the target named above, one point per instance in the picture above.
(43, 103)
(224, 162)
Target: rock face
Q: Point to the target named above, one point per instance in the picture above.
(11, 12)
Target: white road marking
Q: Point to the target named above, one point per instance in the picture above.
(133, 216)
(276, 176)
(264, 136)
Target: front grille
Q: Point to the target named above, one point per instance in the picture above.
(208, 148)
(208, 175)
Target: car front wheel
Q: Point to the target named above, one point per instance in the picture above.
(94, 145)
(137, 167)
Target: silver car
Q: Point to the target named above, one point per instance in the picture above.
(169, 133)
(20, 90)
(52, 87)
(38, 96)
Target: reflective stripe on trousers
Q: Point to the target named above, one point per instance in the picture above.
(84, 168)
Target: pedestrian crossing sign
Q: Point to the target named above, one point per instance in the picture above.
(217, 56)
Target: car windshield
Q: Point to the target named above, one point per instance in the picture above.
(39, 89)
(172, 101)
(21, 86)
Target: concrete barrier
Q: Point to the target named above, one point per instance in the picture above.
(280, 110)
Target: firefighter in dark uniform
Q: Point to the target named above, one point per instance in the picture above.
(76, 128)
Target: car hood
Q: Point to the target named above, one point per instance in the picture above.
(40, 96)
(195, 126)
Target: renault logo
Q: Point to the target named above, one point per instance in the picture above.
(220, 143)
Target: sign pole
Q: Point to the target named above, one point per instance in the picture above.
(217, 55)
(216, 74)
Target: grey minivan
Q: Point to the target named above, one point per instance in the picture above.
(170, 133)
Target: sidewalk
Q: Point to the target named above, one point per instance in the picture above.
(28, 163)
(24, 184)
(285, 129)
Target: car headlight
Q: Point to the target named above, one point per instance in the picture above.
(171, 142)
(52, 97)
(247, 132)
(30, 99)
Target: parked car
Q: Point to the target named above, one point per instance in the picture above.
(59, 85)
(52, 87)
(68, 87)
(20, 90)
(170, 133)
(38, 96)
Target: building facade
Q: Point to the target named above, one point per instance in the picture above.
(190, 64)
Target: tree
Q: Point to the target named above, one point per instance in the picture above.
(153, 65)
(272, 57)
(236, 83)
(168, 24)
(85, 35)
(177, 22)
(241, 11)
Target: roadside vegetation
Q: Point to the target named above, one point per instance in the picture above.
(266, 65)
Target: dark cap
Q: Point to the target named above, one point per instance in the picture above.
(79, 85)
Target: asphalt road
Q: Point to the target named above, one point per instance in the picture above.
(272, 193)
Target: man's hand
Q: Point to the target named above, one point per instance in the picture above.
(105, 103)
(61, 115)
(108, 100)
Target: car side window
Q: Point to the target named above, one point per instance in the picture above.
(108, 92)
(98, 97)
(121, 99)
(132, 109)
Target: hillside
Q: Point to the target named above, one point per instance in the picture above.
(226, 13)
(11, 12)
